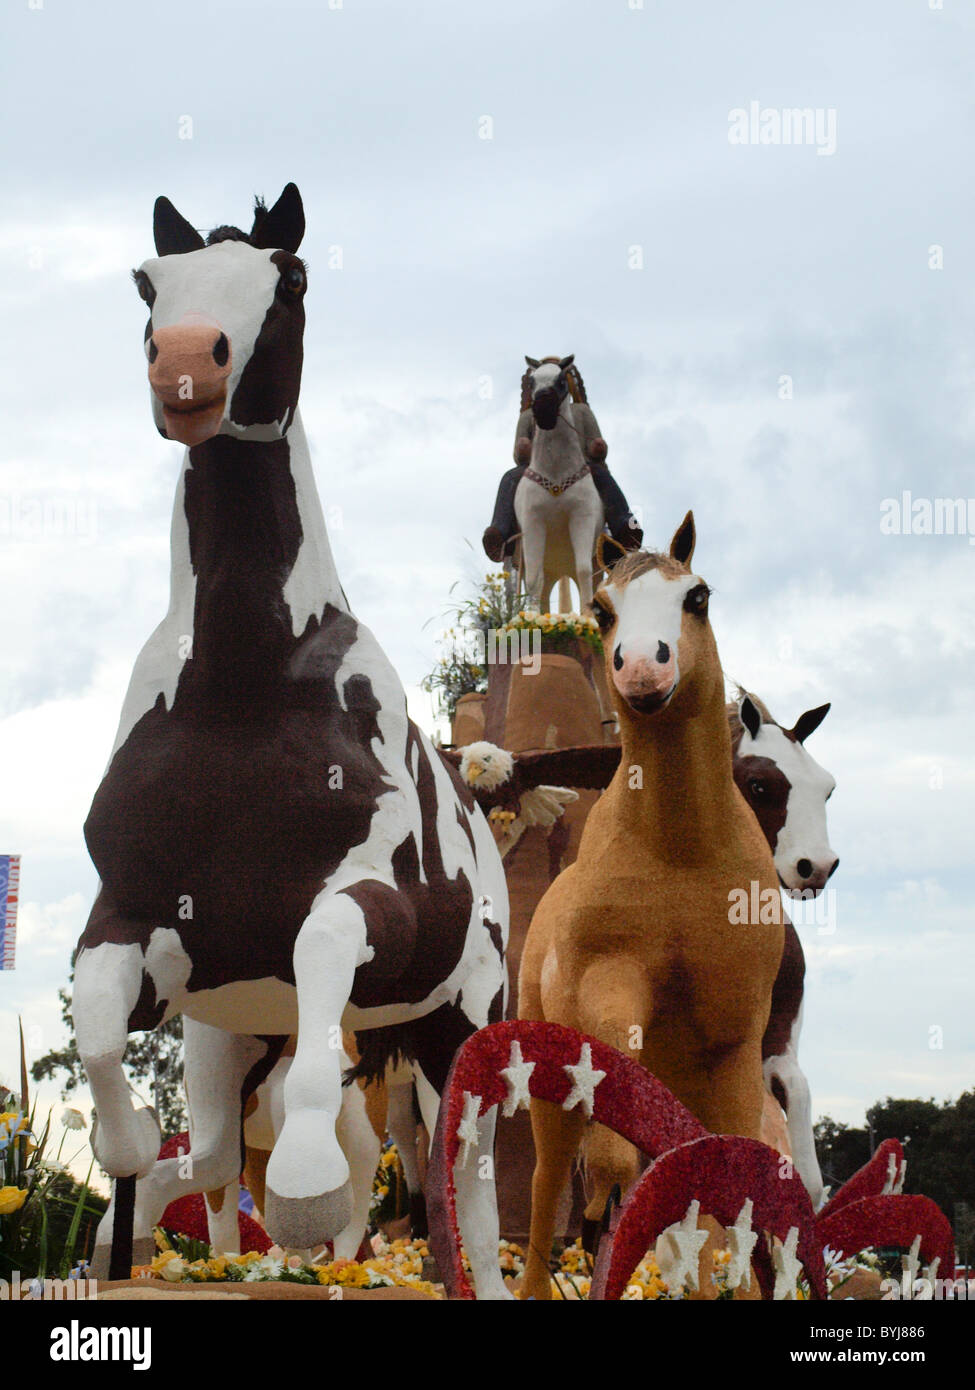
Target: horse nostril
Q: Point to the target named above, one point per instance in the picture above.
(221, 350)
(617, 659)
(804, 868)
(153, 350)
(663, 653)
(834, 868)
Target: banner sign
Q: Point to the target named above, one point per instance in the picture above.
(9, 892)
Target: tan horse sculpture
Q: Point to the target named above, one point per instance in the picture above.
(633, 943)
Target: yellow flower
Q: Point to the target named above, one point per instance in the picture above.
(12, 1199)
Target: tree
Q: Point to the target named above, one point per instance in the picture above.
(153, 1058)
(939, 1145)
(841, 1150)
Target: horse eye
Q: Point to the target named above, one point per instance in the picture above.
(294, 279)
(602, 615)
(146, 292)
(697, 599)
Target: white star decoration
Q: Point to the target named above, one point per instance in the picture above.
(910, 1263)
(741, 1243)
(516, 1075)
(787, 1267)
(895, 1176)
(678, 1248)
(467, 1129)
(585, 1078)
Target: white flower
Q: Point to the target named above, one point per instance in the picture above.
(173, 1270)
(73, 1119)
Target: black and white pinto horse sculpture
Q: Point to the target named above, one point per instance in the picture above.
(280, 849)
(788, 791)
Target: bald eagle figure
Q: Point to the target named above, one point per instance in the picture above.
(531, 788)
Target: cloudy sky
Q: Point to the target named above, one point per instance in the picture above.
(778, 337)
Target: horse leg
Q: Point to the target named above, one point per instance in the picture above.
(614, 1006)
(533, 546)
(583, 542)
(125, 1140)
(309, 1194)
(730, 1093)
(216, 1067)
(787, 1082)
(401, 1123)
(361, 1146)
(557, 1134)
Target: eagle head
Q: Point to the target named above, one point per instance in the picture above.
(485, 766)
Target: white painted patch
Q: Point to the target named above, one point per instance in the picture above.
(107, 983)
(804, 834)
(650, 610)
(232, 283)
(267, 1005)
(168, 966)
(546, 375)
(798, 1111)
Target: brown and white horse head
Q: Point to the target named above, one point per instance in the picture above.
(788, 791)
(652, 612)
(224, 337)
(549, 388)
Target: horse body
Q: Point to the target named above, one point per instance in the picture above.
(280, 849)
(561, 516)
(633, 943)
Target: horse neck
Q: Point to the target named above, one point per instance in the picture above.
(251, 554)
(688, 801)
(557, 453)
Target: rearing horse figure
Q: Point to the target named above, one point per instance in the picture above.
(280, 849)
(633, 943)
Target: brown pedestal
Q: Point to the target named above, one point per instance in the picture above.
(562, 705)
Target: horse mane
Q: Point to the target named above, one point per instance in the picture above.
(229, 233)
(577, 387)
(637, 562)
(735, 727)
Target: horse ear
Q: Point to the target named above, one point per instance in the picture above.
(749, 715)
(682, 545)
(809, 722)
(609, 552)
(171, 232)
(533, 362)
(282, 226)
(567, 361)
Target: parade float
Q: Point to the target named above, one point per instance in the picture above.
(283, 854)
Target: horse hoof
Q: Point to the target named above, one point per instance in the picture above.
(135, 1154)
(307, 1221)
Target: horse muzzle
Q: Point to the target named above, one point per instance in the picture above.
(545, 409)
(189, 368)
(650, 702)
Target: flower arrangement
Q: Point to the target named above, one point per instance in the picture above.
(496, 607)
(399, 1264)
(461, 668)
(560, 631)
(41, 1206)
